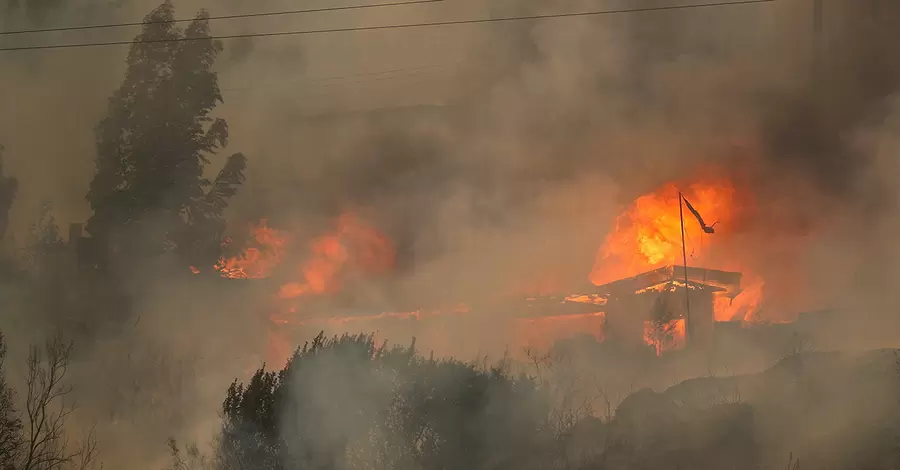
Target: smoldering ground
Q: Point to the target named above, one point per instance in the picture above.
(514, 146)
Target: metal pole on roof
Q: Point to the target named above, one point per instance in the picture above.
(687, 293)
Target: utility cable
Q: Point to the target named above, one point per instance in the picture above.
(388, 27)
(212, 18)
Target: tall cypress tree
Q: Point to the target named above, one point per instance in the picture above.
(149, 194)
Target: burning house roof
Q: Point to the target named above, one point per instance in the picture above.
(710, 279)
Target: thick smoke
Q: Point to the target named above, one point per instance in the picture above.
(493, 156)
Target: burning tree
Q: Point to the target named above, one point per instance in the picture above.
(149, 193)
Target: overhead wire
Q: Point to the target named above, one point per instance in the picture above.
(387, 27)
(216, 17)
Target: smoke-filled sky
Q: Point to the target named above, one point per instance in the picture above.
(506, 145)
(496, 142)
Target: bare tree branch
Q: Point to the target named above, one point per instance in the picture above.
(10, 424)
(47, 446)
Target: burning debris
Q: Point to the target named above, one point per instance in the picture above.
(256, 261)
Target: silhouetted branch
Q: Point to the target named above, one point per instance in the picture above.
(46, 445)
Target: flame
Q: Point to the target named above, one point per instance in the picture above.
(352, 243)
(320, 272)
(256, 262)
(648, 234)
(586, 299)
(745, 307)
(352, 247)
(665, 336)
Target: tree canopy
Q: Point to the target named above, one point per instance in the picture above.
(344, 402)
(149, 194)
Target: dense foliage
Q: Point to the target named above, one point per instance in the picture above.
(150, 194)
(345, 403)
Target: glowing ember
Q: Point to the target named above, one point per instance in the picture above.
(587, 299)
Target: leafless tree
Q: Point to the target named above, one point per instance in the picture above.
(10, 424)
(190, 459)
(565, 387)
(48, 406)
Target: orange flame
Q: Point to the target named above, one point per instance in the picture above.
(648, 234)
(352, 247)
(352, 243)
(587, 299)
(746, 305)
(256, 262)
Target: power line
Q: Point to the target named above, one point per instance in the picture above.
(386, 27)
(211, 18)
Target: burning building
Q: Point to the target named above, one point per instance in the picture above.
(640, 294)
(657, 308)
(668, 306)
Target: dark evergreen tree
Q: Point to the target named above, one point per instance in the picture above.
(149, 194)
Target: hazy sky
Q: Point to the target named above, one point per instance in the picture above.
(54, 98)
